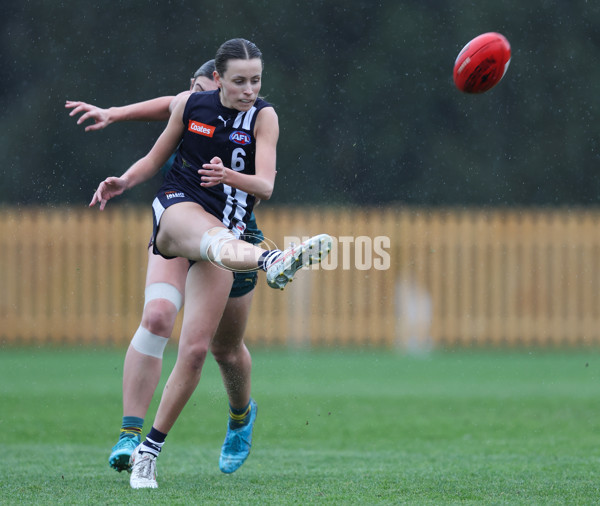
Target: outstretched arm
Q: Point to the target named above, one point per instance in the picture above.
(157, 109)
(145, 167)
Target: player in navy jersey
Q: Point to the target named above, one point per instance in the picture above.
(164, 296)
(225, 161)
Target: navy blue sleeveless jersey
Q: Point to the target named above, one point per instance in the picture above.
(213, 130)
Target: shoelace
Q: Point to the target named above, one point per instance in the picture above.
(237, 442)
(146, 467)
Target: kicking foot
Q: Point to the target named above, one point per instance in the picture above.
(283, 266)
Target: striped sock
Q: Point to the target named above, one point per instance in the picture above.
(267, 258)
(239, 417)
(131, 426)
(154, 442)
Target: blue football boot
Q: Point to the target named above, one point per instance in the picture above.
(236, 447)
(121, 453)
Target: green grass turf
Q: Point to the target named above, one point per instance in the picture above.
(354, 427)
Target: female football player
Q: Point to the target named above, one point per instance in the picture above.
(164, 296)
(225, 161)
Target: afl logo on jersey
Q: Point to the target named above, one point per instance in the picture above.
(241, 138)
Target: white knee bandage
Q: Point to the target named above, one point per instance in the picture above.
(148, 343)
(163, 291)
(213, 241)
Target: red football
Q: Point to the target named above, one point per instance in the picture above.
(482, 63)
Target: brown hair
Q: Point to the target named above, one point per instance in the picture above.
(235, 49)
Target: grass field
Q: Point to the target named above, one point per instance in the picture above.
(369, 427)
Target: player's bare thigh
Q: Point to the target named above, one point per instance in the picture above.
(207, 293)
(164, 294)
(172, 271)
(181, 229)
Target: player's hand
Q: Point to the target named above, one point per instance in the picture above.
(100, 116)
(213, 173)
(109, 188)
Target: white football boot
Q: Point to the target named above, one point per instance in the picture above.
(282, 266)
(143, 470)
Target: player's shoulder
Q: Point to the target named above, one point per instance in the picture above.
(266, 112)
(203, 99)
(179, 100)
(204, 96)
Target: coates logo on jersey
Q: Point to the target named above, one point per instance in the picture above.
(201, 128)
(241, 138)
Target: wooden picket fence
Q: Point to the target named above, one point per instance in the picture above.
(397, 277)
